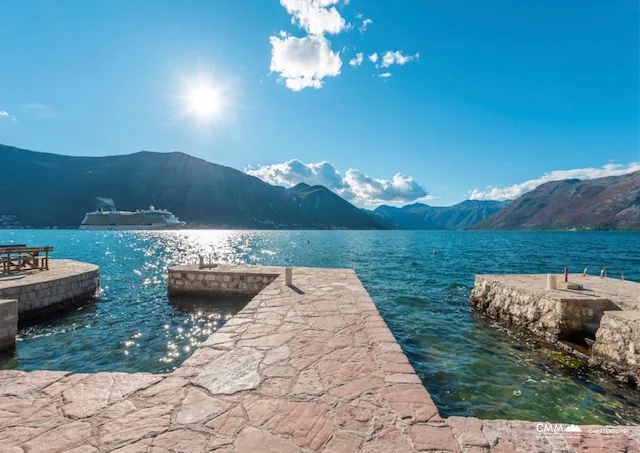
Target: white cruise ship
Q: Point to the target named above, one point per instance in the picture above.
(148, 219)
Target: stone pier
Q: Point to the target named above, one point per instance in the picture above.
(306, 367)
(39, 291)
(35, 293)
(604, 312)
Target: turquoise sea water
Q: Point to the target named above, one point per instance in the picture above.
(469, 365)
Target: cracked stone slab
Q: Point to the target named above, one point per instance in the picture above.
(252, 440)
(232, 372)
(276, 355)
(19, 382)
(135, 426)
(181, 440)
(198, 406)
(307, 423)
(97, 391)
(468, 431)
(308, 383)
(60, 439)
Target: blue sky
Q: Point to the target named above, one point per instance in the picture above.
(505, 94)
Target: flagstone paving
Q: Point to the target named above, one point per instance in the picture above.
(307, 369)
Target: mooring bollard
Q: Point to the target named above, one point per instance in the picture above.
(288, 276)
(551, 281)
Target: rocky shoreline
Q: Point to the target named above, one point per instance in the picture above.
(598, 324)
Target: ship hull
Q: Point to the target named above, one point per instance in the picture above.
(132, 227)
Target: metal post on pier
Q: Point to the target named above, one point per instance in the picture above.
(288, 276)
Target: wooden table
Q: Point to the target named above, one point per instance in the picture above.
(16, 258)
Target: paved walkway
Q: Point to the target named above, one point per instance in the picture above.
(306, 369)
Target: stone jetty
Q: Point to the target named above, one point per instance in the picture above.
(65, 282)
(221, 279)
(305, 367)
(602, 312)
(35, 293)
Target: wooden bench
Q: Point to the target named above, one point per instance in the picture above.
(18, 257)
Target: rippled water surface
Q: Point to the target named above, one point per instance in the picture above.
(469, 366)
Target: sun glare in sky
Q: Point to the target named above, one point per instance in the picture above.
(205, 101)
(203, 97)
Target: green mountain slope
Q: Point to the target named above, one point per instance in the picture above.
(45, 190)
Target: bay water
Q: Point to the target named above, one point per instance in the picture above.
(472, 366)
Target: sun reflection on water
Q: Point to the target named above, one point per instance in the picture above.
(133, 326)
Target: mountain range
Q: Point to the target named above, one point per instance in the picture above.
(420, 216)
(47, 190)
(43, 190)
(610, 203)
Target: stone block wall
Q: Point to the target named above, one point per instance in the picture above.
(37, 298)
(618, 341)
(545, 315)
(218, 282)
(516, 306)
(564, 317)
(8, 323)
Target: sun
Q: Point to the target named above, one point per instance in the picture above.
(205, 101)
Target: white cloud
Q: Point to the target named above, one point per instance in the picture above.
(316, 17)
(357, 60)
(5, 114)
(294, 171)
(354, 186)
(396, 57)
(365, 24)
(370, 191)
(304, 62)
(516, 190)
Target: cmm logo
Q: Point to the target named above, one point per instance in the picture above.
(557, 428)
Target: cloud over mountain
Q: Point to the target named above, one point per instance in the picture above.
(514, 191)
(354, 185)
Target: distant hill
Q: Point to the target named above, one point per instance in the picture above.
(49, 190)
(420, 216)
(325, 207)
(602, 204)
